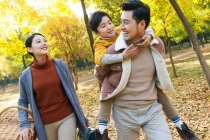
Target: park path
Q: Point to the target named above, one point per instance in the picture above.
(13, 101)
(85, 80)
(180, 56)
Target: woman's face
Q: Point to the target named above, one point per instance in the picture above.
(106, 28)
(39, 46)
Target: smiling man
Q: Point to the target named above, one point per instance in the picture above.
(136, 105)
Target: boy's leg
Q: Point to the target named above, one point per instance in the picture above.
(156, 127)
(170, 111)
(168, 108)
(126, 123)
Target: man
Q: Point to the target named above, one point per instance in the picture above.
(134, 101)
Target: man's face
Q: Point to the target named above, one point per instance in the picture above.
(132, 30)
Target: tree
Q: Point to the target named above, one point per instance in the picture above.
(65, 32)
(18, 19)
(193, 40)
(163, 21)
(87, 26)
(112, 8)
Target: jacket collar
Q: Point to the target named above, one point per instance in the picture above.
(121, 44)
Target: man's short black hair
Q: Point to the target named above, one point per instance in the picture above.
(96, 18)
(141, 11)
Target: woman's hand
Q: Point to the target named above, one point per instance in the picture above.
(26, 134)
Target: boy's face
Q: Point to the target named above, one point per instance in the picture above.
(106, 28)
(132, 30)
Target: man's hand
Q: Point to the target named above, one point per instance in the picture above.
(26, 133)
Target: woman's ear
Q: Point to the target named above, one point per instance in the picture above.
(29, 49)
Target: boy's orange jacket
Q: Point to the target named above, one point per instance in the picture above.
(101, 45)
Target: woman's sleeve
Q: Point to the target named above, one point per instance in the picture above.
(23, 101)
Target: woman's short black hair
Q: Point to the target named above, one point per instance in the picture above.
(29, 40)
(96, 18)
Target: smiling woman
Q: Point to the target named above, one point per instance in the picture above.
(51, 77)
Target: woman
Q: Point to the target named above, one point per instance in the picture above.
(46, 85)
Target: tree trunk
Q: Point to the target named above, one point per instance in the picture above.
(204, 36)
(193, 39)
(171, 58)
(179, 45)
(166, 45)
(73, 73)
(82, 63)
(190, 43)
(170, 54)
(23, 60)
(88, 26)
(182, 44)
(201, 39)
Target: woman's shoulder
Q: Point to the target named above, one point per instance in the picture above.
(25, 72)
(59, 61)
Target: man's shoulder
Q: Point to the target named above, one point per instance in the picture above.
(111, 49)
(160, 47)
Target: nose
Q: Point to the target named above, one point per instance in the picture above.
(44, 43)
(110, 26)
(122, 26)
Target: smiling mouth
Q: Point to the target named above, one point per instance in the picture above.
(111, 31)
(44, 48)
(125, 33)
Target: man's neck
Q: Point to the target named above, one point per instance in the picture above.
(137, 39)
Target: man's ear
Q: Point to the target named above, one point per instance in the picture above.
(142, 24)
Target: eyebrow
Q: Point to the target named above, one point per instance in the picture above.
(40, 39)
(37, 39)
(104, 23)
(124, 20)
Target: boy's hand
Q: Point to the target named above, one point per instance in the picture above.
(144, 42)
(131, 52)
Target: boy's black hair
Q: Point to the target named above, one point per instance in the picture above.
(140, 10)
(96, 18)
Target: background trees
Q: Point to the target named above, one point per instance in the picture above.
(67, 33)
